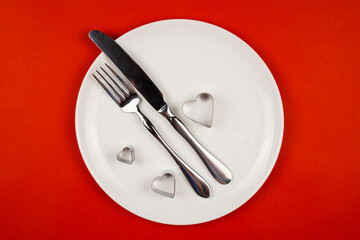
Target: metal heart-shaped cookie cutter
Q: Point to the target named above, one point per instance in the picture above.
(164, 185)
(127, 155)
(200, 110)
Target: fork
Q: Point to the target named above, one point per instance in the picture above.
(128, 100)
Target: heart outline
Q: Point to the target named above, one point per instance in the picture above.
(204, 97)
(166, 173)
(120, 155)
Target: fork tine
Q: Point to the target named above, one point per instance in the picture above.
(119, 94)
(118, 102)
(122, 90)
(127, 86)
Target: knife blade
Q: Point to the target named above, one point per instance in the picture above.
(153, 95)
(129, 68)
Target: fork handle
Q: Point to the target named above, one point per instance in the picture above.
(200, 186)
(219, 171)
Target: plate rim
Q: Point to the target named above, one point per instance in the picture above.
(277, 146)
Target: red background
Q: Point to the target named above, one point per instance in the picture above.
(312, 49)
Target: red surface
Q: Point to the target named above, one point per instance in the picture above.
(312, 49)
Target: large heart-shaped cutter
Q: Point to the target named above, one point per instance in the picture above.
(200, 110)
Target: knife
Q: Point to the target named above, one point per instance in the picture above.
(153, 95)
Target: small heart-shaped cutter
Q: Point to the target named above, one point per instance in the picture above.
(127, 155)
(200, 110)
(164, 185)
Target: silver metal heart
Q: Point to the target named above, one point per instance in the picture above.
(127, 155)
(200, 110)
(164, 185)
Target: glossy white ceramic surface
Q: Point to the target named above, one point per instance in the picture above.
(184, 58)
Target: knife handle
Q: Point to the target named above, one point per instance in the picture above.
(219, 171)
(200, 186)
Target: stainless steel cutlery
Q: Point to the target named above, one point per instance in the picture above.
(128, 100)
(152, 94)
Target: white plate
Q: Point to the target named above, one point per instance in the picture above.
(184, 58)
